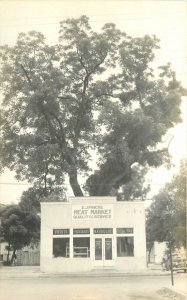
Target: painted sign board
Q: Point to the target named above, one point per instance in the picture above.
(87, 212)
(81, 231)
(60, 231)
(124, 230)
(103, 230)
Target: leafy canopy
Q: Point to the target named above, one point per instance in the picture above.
(93, 91)
(31, 198)
(166, 219)
(19, 228)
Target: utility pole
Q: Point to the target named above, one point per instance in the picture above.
(171, 262)
(0, 241)
(170, 242)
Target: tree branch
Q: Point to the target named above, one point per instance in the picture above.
(62, 135)
(107, 95)
(46, 173)
(26, 74)
(156, 151)
(46, 142)
(51, 129)
(139, 94)
(82, 106)
(45, 176)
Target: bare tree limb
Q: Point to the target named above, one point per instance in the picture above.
(26, 74)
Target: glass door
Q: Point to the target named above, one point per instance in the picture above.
(108, 248)
(98, 249)
(103, 251)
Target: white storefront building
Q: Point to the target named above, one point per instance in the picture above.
(87, 233)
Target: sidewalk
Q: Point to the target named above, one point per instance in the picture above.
(34, 272)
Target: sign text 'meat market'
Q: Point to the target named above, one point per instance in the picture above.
(88, 212)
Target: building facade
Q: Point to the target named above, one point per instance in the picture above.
(87, 233)
(158, 252)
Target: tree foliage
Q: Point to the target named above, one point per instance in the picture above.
(91, 91)
(166, 219)
(136, 188)
(31, 198)
(19, 228)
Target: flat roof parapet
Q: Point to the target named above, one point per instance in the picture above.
(90, 199)
(93, 200)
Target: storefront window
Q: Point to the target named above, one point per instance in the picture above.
(125, 246)
(60, 247)
(81, 247)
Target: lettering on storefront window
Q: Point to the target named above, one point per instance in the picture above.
(81, 231)
(124, 230)
(103, 230)
(60, 231)
(86, 212)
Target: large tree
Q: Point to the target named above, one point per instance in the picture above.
(166, 217)
(91, 93)
(19, 229)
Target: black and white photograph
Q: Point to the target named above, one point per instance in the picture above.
(93, 149)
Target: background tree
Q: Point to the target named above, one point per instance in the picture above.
(166, 217)
(19, 229)
(31, 198)
(92, 91)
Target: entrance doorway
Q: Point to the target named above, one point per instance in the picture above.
(104, 251)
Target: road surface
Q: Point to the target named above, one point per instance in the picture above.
(89, 288)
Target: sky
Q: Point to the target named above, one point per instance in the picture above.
(166, 19)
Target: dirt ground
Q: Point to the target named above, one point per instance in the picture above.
(97, 288)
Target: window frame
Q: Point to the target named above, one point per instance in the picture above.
(120, 236)
(76, 236)
(67, 237)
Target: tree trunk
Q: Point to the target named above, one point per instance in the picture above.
(149, 254)
(74, 183)
(149, 248)
(13, 256)
(8, 254)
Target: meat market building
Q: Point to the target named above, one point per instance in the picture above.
(88, 233)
